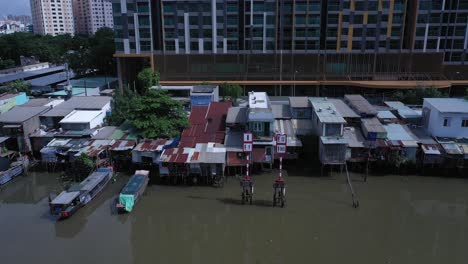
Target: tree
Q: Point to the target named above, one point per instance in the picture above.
(156, 114)
(147, 79)
(102, 49)
(122, 104)
(81, 167)
(5, 64)
(20, 86)
(416, 96)
(231, 90)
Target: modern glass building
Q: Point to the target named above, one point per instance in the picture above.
(292, 41)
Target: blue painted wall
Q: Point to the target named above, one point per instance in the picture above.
(21, 99)
(200, 100)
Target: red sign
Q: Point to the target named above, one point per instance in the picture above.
(281, 139)
(248, 137)
(247, 147)
(281, 149)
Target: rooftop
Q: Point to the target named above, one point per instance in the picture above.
(40, 102)
(327, 113)
(237, 115)
(373, 125)
(398, 132)
(354, 137)
(281, 111)
(30, 74)
(449, 105)
(20, 114)
(258, 100)
(79, 103)
(203, 88)
(342, 108)
(360, 105)
(403, 110)
(207, 124)
(80, 116)
(386, 115)
(299, 102)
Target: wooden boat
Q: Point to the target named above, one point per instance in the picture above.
(132, 191)
(69, 201)
(15, 170)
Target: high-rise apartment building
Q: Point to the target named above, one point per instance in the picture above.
(91, 15)
(52, 17)
(289, 40)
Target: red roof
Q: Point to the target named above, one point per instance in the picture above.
(207, 124)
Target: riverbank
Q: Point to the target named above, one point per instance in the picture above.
(401, 219)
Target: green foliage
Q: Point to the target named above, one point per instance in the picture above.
(19, 86)
(231, 91)
(147, 79)
(81, 167)
(122, 104)
(157, 115)
(82, 52)
(416, 96)
(5, 64)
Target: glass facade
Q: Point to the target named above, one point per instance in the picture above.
(298, 26)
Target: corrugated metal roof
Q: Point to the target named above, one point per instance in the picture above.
(452, 148)
(20, 114)
(81, 116)
(49, 79)
(430, 149)
(286, 127)
(207, 124)
(354, 137)
(79, 103)
(342, 108)
(403, 110)
(386, 115)
(373, 125)
(449, 105)
(281, 111)
(152, 145)
(299, 102)
(29, 74)
(397, 132)
(360, 105)
(302, 126)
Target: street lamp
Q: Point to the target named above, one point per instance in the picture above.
(294, 82)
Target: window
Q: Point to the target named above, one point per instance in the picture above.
(464, 123)
(257, 127)
(446, 122)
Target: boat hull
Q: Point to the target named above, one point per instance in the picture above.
(10, 174)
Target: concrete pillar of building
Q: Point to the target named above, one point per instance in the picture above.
(187, 33)
(214, 32)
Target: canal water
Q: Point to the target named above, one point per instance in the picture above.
(400, 220)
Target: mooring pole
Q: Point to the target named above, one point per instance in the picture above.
(281, 167)
(353, 195)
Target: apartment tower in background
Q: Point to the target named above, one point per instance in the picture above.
(52, 17)
(91, 15)
(319, 41)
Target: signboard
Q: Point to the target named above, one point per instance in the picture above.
(247, 147)
(248, 137)
(281, 139)
(281, 149)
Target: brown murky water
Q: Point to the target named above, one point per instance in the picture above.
(400, 220)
